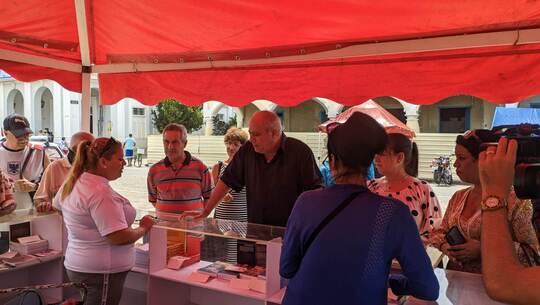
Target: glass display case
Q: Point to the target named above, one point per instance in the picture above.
(213, 261)
(36, 265)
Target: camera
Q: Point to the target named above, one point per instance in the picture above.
(527, 175)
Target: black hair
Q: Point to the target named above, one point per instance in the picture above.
(399, 143)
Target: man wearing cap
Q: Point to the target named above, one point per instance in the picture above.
(275, 170)
(22, 164)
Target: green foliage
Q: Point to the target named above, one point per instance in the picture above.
(220, 127)
(171, 111)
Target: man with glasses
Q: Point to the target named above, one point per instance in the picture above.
(56, 173)
(22, 163)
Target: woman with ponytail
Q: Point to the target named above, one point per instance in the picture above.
(100, 249)
(399, 165)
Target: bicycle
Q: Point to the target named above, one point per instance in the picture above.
(138, 157)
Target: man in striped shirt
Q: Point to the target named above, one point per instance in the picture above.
(180, 182)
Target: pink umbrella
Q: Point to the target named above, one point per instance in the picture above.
(390, 123)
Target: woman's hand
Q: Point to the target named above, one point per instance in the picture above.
(7, 207)
(146, 222)
(496, 166)
(466, 252)
(228, 198)
(44, 206)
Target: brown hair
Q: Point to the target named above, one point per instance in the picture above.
(236, 134)
(399, 143)
(87, 157)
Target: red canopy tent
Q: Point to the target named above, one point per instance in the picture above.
(390, 123)
(284, 51)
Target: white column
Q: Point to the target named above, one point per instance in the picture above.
(85, 102)
(57, 110)
(28, 104)
(239, 117)
(3, 101)
(412, 113)
(511, 105)
(208, 125)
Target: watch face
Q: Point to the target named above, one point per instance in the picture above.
(492, 202)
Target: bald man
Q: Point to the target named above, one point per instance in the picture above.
(56, 173)
(275, 170)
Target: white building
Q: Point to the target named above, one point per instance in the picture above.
(47, 105)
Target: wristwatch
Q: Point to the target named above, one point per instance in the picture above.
(493, 203)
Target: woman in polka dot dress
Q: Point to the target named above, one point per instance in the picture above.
(399, 165)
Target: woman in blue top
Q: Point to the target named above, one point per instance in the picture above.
(349, 261)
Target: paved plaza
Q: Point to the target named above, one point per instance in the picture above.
(132, 185)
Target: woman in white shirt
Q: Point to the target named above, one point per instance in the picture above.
(98, 220)
(399, 165)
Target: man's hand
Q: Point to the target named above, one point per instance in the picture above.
(466, 252)
(25, 186)
(496, 166)
(7, 207)
(44, 206)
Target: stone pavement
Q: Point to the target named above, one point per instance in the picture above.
(132, 185)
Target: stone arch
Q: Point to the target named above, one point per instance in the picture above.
(15, 102)
(265, 105)
(332, 108)
(43, 114)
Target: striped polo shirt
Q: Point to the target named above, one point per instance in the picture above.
(176, 190)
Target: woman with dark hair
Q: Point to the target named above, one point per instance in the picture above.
(399, 165)
(100, 249)
(340, 240)
(463, 212)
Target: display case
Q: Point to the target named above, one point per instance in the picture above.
(44, 269)
(168, 283)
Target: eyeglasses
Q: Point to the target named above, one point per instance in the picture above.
(108, 146)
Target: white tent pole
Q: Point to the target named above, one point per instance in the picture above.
(85, 60)
(39, 61)
(456, 42)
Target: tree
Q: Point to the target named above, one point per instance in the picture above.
(171, 111)
(220, 127)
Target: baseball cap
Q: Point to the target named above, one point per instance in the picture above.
(357, 141)
(17, 124)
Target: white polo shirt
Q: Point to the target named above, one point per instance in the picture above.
(92, 211)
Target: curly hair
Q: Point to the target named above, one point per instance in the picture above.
(236, 134)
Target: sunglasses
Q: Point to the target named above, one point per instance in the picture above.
(108, 146)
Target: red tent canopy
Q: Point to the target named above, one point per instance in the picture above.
(390, 123)
(284, 51)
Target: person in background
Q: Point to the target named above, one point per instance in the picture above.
(340, 241)
(505, 278)
(179, 182)
(464, 212)
(326, 173)
(274, 169)
(56, 174)
(21, 163)
(399, 165)
(98, 220)
(234, 205)
(63, 145)
(129, 146)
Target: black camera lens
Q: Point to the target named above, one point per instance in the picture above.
(527, 180)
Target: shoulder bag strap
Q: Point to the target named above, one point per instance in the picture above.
(25, 162)
(328, 219)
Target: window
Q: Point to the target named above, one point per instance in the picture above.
(454, 120)
(534, 105)
(138, 111)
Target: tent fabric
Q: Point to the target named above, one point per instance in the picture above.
(494, 74)
(169, 31)
(515, 116)
(390, 123)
